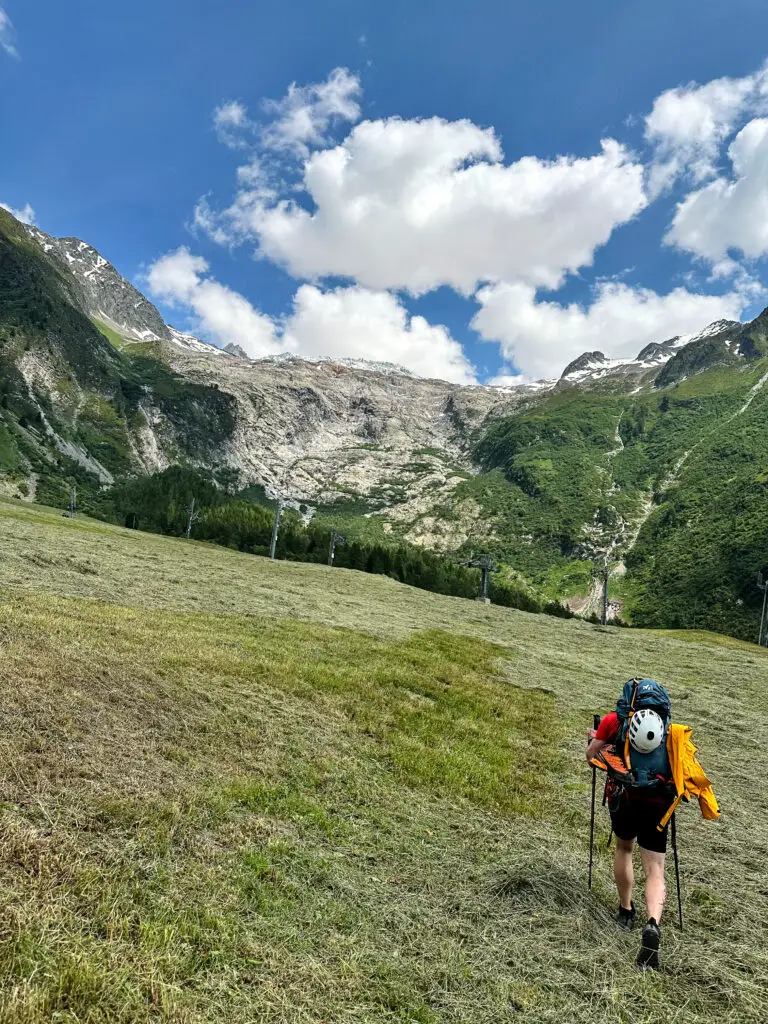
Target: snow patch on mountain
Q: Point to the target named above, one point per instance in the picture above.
(373, 365)
(193, 344)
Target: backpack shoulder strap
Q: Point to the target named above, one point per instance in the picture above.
(627, 759)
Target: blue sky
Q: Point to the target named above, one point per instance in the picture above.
(482, 234)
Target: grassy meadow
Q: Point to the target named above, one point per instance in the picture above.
(241, 791)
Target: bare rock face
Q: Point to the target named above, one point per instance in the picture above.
(236, 350)
(586, 361)
(322, 432)
(316, 433)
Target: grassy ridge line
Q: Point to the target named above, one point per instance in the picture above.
(213, 817)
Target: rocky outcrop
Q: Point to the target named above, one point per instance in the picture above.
(101, 291)
(586, 361)
(321, 432)
(236, 350)
(718, 344)
(658, 351)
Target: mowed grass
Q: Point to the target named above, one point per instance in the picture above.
(239, 791)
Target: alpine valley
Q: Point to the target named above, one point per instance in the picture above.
(656, 467)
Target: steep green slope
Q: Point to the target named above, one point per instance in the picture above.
(213, 811)
(71, 405)
(698, 557)
(580, 475)
(555, 460)
(38, 312)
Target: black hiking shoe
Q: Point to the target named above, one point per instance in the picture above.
(648, 956)
(624, 918)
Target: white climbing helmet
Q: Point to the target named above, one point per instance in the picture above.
(646, 730)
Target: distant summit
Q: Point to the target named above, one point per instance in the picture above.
(585, 362)
(658, 351)
(371, 365)
(236, 350)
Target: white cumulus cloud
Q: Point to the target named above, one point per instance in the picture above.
(358, 323)
(7, 35)
(729, 213)
(180, 279)
(26, 214)
(539, 337)
(412, 205)
(688, 125)
(423, 203)
(344, 322)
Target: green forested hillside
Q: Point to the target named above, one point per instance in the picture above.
(668, 478)
(64, 386)
(698, 557)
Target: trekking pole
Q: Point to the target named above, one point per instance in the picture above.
(677, 873)
(596, 723)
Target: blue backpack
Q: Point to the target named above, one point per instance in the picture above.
(652, 769)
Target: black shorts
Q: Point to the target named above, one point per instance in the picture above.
(638, 819)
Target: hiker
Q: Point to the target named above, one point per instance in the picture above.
(650, 766)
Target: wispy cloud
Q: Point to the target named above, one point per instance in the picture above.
(7, 35)
(232, 124)
(297, 123)
(301, 119)
(26, 214)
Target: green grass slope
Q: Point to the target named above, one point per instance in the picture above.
(241, 791)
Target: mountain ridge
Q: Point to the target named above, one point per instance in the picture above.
(108, 296)
(551, 477)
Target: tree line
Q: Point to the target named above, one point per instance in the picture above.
(160, 504)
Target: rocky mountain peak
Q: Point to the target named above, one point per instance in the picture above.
(658, 351)
(101, 291)
(236, 350)
(720, 343)
(585, 362)
(716, 327)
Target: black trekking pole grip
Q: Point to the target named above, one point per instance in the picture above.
(596, 723)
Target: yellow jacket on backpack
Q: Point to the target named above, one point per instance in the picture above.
(687, 774)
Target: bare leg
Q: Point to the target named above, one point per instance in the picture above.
(655, 888)
(623, 871)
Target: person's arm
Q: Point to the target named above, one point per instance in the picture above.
(594, 747)
(600, 737)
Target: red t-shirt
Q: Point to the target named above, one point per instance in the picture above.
(608, 728)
